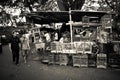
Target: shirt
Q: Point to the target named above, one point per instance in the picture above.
(95, 48)
(47, 35)
(14, 43)
(25, 43)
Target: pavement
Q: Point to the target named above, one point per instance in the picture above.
(35, 70)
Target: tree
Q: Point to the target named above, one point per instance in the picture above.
(74, 4)
(95, 5)
(115, 6)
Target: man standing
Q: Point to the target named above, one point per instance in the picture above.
(15, 47)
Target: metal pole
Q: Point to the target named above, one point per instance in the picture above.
(71, 30)
(33, 31)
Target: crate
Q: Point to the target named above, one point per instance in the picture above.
(76, 60)
(63, 59)
(84, 60)
(51, 58)
(101, 61)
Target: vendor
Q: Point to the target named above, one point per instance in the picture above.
(47, 40)
(62, 39)
(47, 36)
(65, 38)
(93, 57)
(95, 48)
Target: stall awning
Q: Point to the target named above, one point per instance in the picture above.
(63, 16)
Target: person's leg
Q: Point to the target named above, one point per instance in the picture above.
(17, 57)
(27, 52)
(0, 48)
(13, 56)
(25, 57)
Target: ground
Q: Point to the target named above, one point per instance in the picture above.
(35, 70)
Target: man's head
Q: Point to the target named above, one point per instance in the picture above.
(14, 33)
(24, 35)
(64, 35)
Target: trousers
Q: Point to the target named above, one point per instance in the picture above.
(15, 56)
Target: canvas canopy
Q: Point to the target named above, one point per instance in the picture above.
(61, 17)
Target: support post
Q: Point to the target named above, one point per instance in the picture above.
(71, 30)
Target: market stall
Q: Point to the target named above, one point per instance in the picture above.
(77, 45)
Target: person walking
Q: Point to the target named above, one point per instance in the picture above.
(14, 47)
(0, 44)
(25, 47)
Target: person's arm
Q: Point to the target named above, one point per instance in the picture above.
(61, 40)
(97, 50)
(0, 42)
(10, 44)
(20, 43)
(10, 47)
(28, 44)
(20, 46)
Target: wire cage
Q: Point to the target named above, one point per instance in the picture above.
(84, 60)
(101, 60)
(79, 47)
(40, 46)
(68, 48)
(84, 47)
(76, 60)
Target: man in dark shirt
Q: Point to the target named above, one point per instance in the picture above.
(92, 58)
(15, 47)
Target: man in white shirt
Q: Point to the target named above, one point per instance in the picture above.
(47, 35)
(63, 39)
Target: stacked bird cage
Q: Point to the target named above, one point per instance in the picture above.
(66, 49)
(101, 60)
(76, 57)
(51, 58)
(63, 59)
(56, 49)
(76, 60)
(58, 52)
(84, 60)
